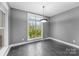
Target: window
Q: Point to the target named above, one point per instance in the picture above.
(2, 16)
(35, 27)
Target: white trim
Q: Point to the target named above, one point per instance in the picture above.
(4, 51)
(2, 27)
(31, 41)
(70, 44)
(7, 51)
(35, 38)
(1, 9)
(6, 5)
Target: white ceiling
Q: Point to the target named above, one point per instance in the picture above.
(51, 8)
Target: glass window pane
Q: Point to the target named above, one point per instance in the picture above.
(1, 19)
(35, 26)
(1, 37)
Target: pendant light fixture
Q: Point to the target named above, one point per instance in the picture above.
(44, 19)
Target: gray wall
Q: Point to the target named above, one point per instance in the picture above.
(65, 26)
(18, 26)
(46, 29)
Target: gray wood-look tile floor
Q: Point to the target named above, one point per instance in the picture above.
(44, 48)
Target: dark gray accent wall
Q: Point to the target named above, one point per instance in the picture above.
(18, 26)
(65, 26)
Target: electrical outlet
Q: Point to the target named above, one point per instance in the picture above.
(74, 41)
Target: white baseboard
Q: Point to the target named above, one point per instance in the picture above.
(4, 51)
(7, 51)
(31, 41)
(70, 44)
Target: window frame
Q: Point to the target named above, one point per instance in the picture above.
(28, 29)
(2, 28)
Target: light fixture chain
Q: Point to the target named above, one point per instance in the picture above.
(43, 10)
